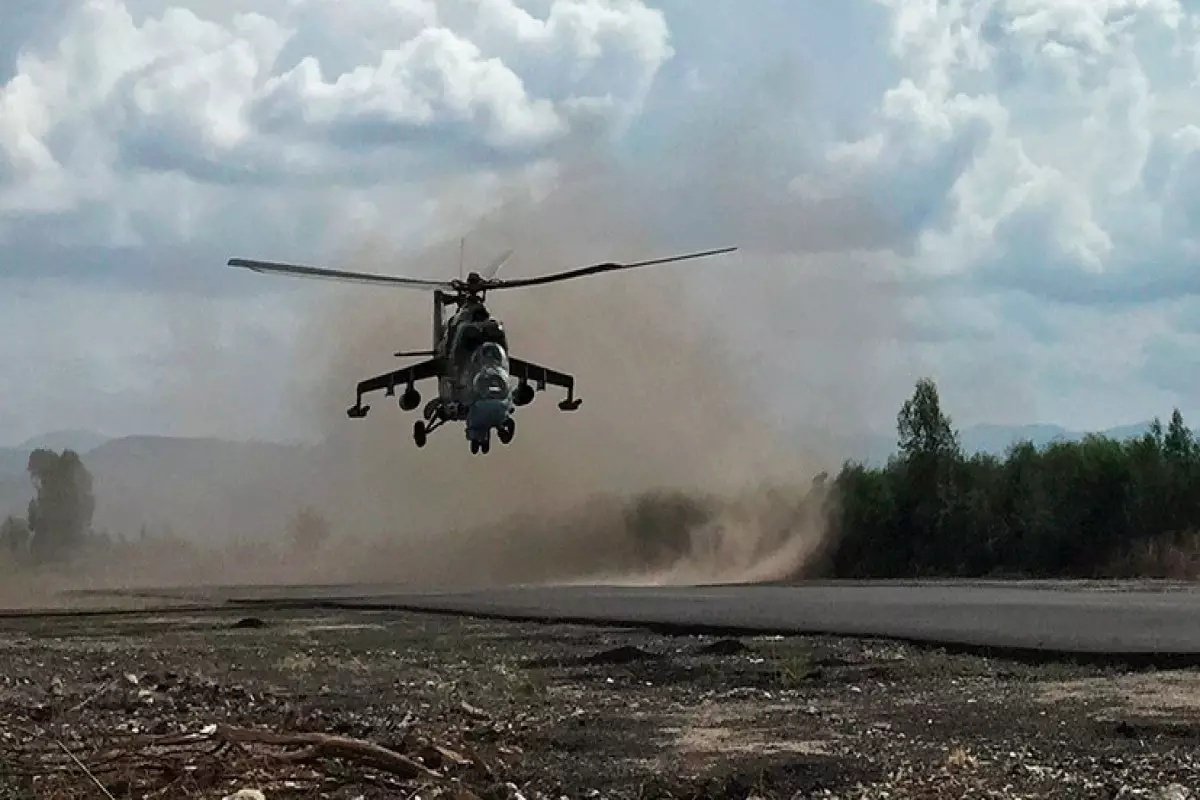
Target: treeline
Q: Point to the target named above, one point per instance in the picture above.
(1093, 508)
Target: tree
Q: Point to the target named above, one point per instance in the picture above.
(929, 455)
(60, 514)
(1179, 445)
(1181, 456)
(925, 432)
(308, 531)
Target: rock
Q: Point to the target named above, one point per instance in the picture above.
(245, 794)
(626, 654)
(249, 623)
(724, 647)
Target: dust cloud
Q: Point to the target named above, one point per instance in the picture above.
(671, 470)
(685, 463)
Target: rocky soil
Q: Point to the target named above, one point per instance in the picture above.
(298, 704)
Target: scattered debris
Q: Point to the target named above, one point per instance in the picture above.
(410, 706)
(219, 754)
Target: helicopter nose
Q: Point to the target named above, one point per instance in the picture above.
(485, 415)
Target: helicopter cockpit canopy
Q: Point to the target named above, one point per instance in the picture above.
(490, 354)
(489, 370)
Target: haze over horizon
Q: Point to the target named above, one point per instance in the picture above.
(1021, 181)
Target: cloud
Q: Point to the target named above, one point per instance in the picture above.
(149, 127)
(1045, 146)
(214, 98)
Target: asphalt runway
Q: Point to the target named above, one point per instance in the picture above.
(1105, 619)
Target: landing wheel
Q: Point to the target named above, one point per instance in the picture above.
(419, 433)
(507, 431)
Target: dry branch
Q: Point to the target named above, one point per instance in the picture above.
(175, 757)
(317, 745)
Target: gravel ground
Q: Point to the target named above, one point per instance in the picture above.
(179, 704)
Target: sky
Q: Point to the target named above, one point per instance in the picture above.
(1023, 176)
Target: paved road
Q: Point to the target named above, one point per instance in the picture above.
(1143, 620)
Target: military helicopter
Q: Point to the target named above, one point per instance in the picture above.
(469, 356)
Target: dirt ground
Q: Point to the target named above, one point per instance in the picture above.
(175, 704)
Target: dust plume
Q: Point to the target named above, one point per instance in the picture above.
(669, 412)
(685, 462)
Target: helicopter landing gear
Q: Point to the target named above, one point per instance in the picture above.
(422, 429)
(507, 431)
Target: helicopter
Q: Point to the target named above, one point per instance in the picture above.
(469, 357)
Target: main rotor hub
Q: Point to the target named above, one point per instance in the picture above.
(473, 287)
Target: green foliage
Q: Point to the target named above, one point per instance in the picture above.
(1087, 508)
(60, 514)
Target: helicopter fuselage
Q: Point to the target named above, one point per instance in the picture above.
(475, 386)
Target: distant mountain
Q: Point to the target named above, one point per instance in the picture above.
(998, 438)
(200, 488)
(14, 459)
(78, 440)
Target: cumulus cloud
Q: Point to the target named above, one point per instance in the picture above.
(1035, 162)
(221, 97)
(1042, 146)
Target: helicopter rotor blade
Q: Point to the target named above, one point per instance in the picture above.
(598, 268)
(303, 271)
(489, 272)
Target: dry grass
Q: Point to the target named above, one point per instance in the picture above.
(1171, 556)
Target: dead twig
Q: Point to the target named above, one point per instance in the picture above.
(86, 771)
(102, 690)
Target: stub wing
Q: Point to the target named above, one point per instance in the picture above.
(539, 376)
(420, 371)
(396, 379)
